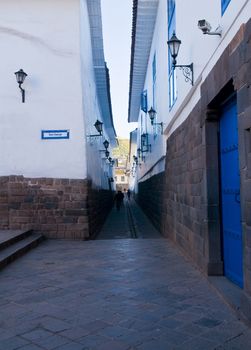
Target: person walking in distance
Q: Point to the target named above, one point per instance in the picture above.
(119, 197)
(128, 194)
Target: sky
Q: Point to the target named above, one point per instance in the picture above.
(117, 27)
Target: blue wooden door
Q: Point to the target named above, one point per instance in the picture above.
(230, 193)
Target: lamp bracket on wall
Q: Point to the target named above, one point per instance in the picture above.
(187, 71)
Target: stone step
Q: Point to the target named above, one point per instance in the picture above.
(18, 248)
(8, 237)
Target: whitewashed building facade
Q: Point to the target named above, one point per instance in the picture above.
(54, 175)
(193, 160)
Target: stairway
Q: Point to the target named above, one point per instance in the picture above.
(14, 243)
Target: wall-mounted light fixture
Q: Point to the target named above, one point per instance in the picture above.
(20, 76)
(139, 153)
(187, 69)
(106, 144)
(112, 161)
(99, 127)
(205, 26)
(107, 153)
(135, 158)
(152, 115)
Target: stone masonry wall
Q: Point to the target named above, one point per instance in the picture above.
(57, 208)
(100, 203)
(184, 189)
(235, 64)
(150, 198)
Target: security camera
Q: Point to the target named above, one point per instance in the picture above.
(204, 26)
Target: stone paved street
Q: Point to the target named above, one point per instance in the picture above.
(113, 294)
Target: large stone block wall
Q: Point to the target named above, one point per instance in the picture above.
(191, 198)
(235, 65)
(150, 198)
(100, 203)
(184, 214)
(57, 208)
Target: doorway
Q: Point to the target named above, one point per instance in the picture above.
(230, 192)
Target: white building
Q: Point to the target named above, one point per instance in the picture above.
(191, 155)
(52, 170)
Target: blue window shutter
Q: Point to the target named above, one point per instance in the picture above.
(144, 101)
(171, 6)
(224, 5)
(154, 69)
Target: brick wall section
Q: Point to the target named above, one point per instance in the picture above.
(58, 208)
(150, 198)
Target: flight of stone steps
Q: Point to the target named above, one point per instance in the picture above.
(14, 243)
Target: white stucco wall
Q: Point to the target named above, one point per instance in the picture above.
(42, 38)
(98, 167)
(156, 140)
(202, 50)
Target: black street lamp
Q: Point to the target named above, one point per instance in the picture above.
(99, 127)
(152, 115)
(20, 76)
(106, 144)
(187, 69)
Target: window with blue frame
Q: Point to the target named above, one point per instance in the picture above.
(171, 71)
(154, 72)
(144, 101)
(224, 5)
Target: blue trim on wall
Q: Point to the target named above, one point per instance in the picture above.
(154, 73)
(224, 5)
(144, 101)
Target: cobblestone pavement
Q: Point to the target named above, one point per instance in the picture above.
(128, 222)
(114, 294)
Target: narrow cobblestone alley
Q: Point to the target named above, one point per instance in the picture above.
(114, 294)
(129, 222)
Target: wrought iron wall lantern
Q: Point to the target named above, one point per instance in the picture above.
(112, 161)
(106, 144)
(110, 179)
(145, 146)
(99, 127)
(152, 115)
(187, 69)
(135, 158)
(139, 153)
(20, 76)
